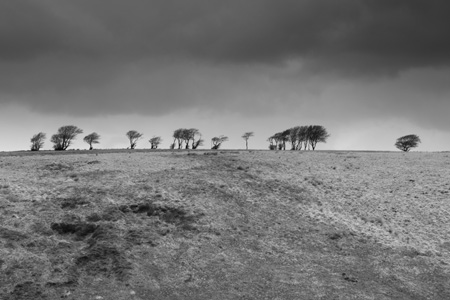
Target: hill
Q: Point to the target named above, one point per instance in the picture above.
(225, 225)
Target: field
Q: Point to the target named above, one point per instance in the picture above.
(224, 225)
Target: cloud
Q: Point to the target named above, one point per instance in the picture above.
(254, 57)
(398, 34)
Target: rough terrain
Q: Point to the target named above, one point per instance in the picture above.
(224, 225)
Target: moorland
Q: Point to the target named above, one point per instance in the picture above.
(224, 225)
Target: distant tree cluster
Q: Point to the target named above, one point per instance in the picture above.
(186, 136)
(300, 137)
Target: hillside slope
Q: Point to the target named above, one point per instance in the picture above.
(236, 225)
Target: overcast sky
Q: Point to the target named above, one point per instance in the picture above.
(369, 71)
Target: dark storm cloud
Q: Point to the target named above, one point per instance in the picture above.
(53, 52)
(394, 33)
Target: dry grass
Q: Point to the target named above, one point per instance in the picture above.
(236, 225)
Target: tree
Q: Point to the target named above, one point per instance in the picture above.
(193, 133)
(293, 137)
(133, 137)
(63, 138)
(271, 141)
(155, 141)
(405, 143)
(197, 143)
(246, 136)
(37, 141)
(217, 141)
(92, 138)
(178, 137)
(317, 134)
(302, 137)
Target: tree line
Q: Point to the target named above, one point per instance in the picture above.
(298, 137)
(182, 139)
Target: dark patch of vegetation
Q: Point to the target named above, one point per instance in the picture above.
(79, 229)
(104, 256)
(172, 215)
(210, 153)
(27, 291)
(58, 167)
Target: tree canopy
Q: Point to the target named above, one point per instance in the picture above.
(133, 137)
(92, 138)
(246, 136)
(217, 141)
(63, 138)
(407, 142)
(37, 141)
(305, 137)
(155, 141)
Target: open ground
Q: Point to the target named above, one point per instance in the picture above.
(224, 225)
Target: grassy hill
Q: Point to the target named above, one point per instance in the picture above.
(224, 225)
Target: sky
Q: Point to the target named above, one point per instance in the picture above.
(369, 71)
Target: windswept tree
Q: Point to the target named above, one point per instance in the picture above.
(63, 138)
(275, 141)
(405, 143)
(317, 134)
(91, 139)
(272, 143)
(302, 137)
(198, 142)
(305, 137)
(293, 137)
(133, 137)
(216, 142)
(178, 137)
(155, 141)
(280, 139)
(196, 137)
(246, 136)
(37, 141)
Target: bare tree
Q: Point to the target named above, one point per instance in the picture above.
(155, 141)
(63, 138)
(92, 138)
(37, 141)
(217, 141)
(133, 137)
(246, 136)
(405, 143)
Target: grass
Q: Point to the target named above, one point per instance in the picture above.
(236, 225)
